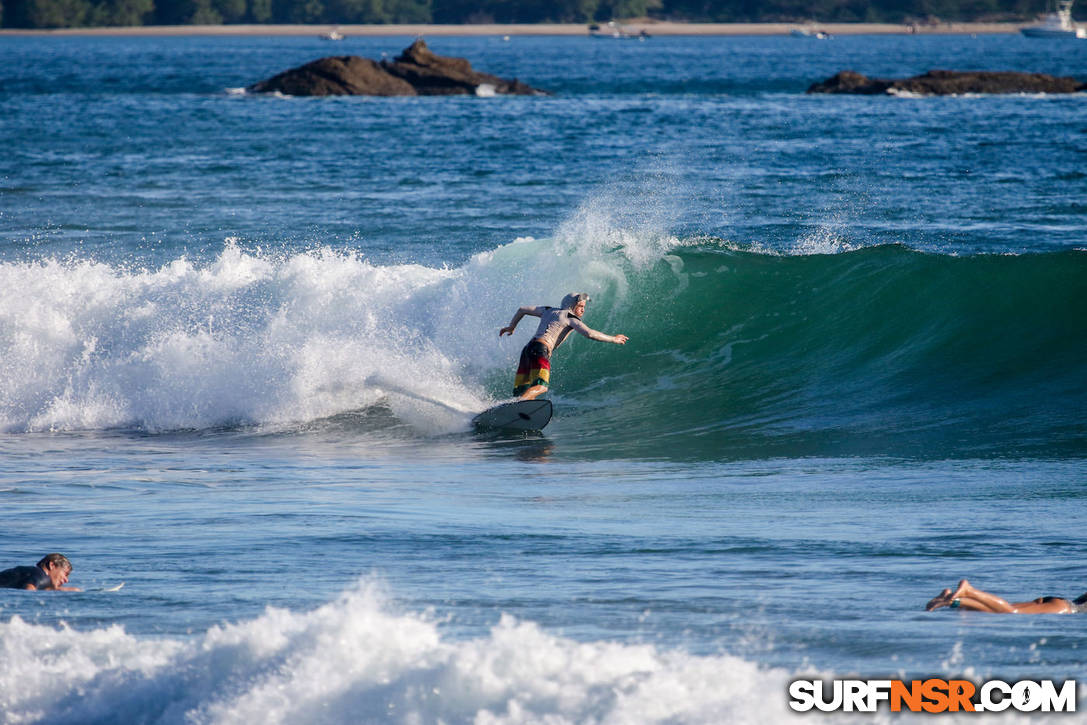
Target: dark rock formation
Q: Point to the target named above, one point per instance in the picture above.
(849, 81)
(416, 71)
(947, 82)
(346, 75)
(435, 75)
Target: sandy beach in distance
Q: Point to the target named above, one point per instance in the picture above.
(634, 27)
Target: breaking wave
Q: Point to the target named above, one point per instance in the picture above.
(823, 349)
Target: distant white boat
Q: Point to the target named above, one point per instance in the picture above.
(806, 33)
(1056, 25)
(332, 35)
(616, 31)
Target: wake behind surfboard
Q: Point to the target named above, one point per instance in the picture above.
(518, 415)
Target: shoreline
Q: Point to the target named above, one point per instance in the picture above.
(553, 29)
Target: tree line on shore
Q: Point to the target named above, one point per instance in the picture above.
(83, 13)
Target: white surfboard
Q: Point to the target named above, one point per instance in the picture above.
(518, 415)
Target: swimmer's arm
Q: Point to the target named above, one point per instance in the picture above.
(592, 334)
(534, 311)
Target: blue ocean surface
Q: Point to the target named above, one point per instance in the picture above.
(242, 338)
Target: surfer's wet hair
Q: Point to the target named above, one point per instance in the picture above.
(570, 301)
(57, 560)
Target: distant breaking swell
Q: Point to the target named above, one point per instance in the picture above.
(733, 351)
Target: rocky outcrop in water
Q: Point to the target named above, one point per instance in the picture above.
(435, 75)
(948, 83)
(347, 75)
(416, 72)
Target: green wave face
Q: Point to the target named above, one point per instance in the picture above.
(874, 351)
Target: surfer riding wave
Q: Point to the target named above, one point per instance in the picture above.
(534, 367)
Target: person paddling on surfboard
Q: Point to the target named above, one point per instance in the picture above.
(967, 596)
(51, 573)
(534, 368)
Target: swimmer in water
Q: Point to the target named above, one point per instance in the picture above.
(966, 596)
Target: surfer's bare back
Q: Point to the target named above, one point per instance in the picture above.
(534, 368)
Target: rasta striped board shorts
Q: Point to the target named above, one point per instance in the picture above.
(534, 367)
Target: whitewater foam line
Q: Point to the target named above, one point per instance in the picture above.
(247, 339)
(390, 386)
(357, 660)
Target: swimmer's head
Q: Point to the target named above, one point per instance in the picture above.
(55, 560)
(57, 568)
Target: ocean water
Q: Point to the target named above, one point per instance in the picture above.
(241, 339)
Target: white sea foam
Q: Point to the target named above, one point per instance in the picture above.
(903, 93)
(246, 338)
(357, 660)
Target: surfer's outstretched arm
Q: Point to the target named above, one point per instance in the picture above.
(597, 335)
(521, 312)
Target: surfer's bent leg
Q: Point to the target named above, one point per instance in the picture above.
(967, 596)
(990, 602)
(534, 392)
